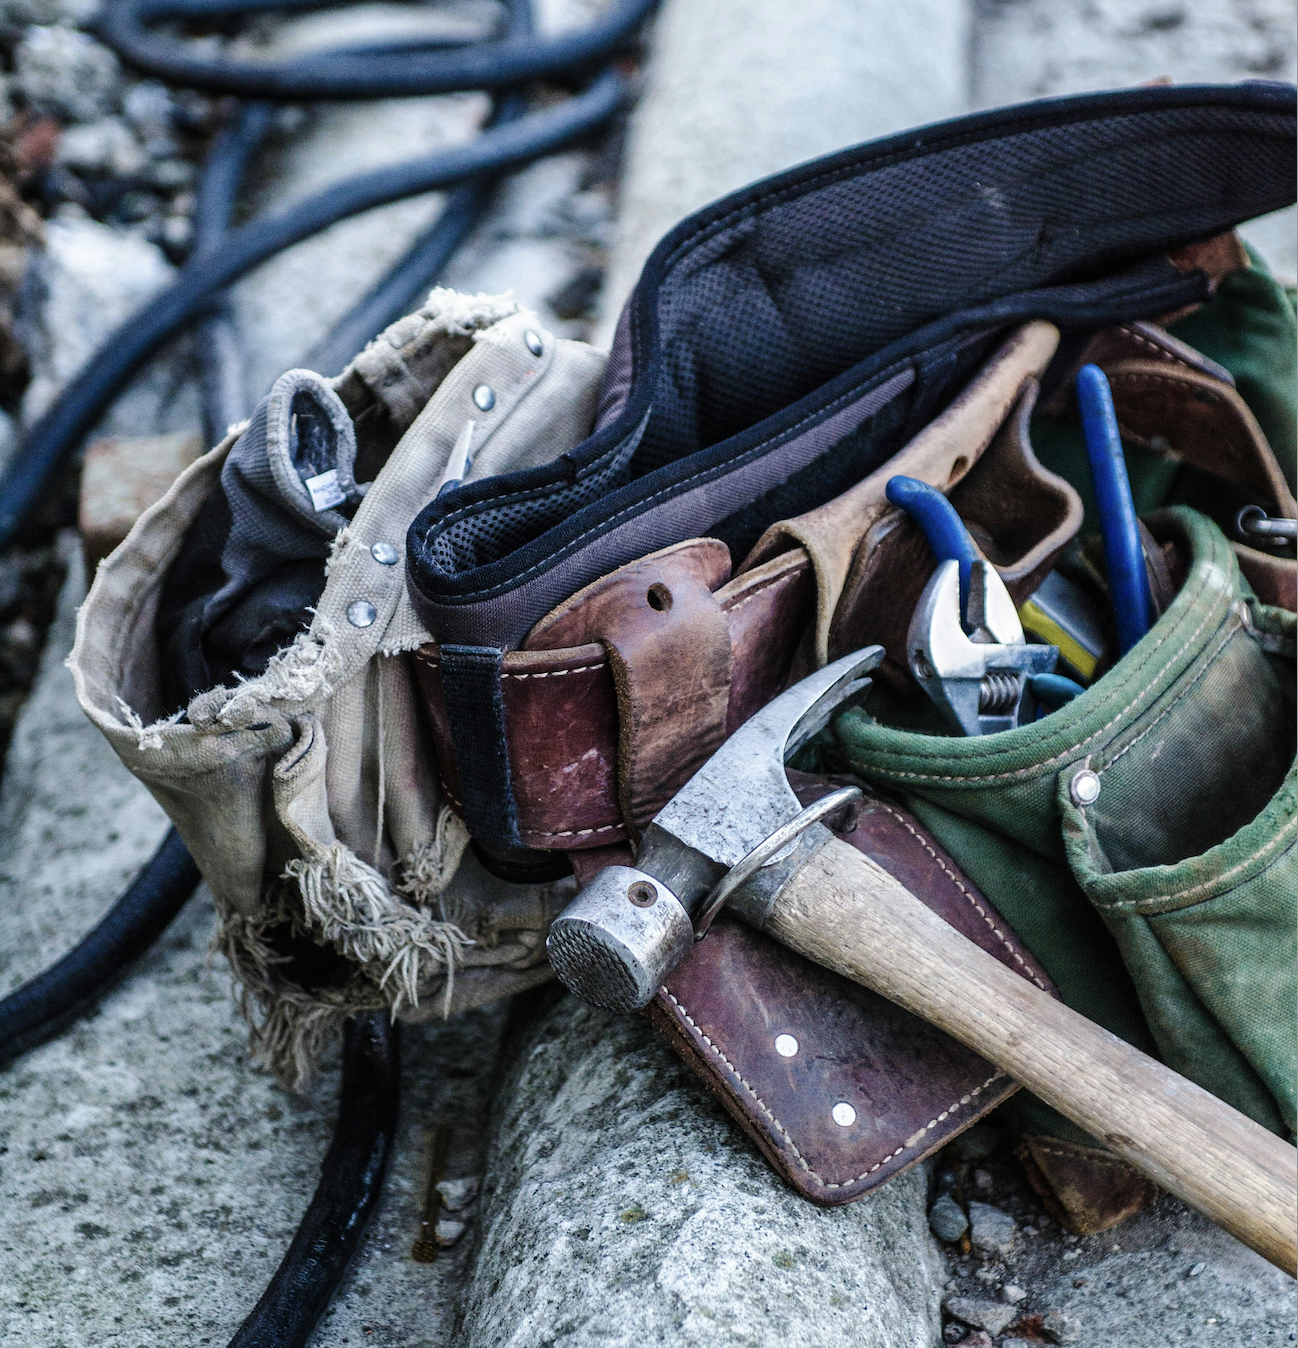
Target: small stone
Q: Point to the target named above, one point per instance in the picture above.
(1195, 1270)
(458, 1193)
(992, 1316)
(953, 1333)
(978, 1339)
(1029, 1230)
(991, 1230)
(1013, 1294)
(447, 1232)
(1060, 1327)
(947, 1219)
(107, 146)
(948, 1182)
(1020, 1343)
(983, 1182)
(64, 73)
(1069, 1254)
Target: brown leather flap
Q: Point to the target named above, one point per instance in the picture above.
(562, 721)
(910, 1088)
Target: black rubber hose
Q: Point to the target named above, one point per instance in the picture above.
(220, 369)
(351, 1180)
(37, 1010)
(424, 67)
(406, 283)
(88, 395)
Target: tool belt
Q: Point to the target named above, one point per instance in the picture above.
(334, 675)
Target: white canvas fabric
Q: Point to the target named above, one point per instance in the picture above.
(310, 796)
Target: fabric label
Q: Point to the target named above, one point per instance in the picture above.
(325, 491)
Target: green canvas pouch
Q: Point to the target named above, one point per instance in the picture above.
(1165, 910)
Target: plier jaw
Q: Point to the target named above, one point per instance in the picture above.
(980, 678)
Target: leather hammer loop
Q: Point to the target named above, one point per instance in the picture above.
(352, 1173)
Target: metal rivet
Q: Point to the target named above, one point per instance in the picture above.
(534, 343)
(843, 1114)
(786, 1045)
(484, 397)
(1084, 789)
(643, 894)
(385, 554)
(361, 613)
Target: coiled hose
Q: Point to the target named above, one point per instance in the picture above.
(352, 1172)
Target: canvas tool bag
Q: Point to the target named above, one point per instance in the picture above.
(333, 676)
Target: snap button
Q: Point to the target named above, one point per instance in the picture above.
(786, 1045)
(484, 397)
(843, 1114)
(361, 613)
(1084, 789)
(534, 343)
(385, 554)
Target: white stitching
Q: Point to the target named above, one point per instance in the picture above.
(955, 879)
(783, 1132)
(1067, 754)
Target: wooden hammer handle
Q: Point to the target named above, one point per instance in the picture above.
(844, 911)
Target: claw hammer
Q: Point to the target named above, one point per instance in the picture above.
(736, 835)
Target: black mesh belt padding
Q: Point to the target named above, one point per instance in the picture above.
(757, 313)
(476, 711)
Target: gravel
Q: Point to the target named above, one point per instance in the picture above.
(946, 1218)
(992, 1316)
(62, 72)
(991, 1230)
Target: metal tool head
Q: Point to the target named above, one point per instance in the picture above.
(617, 941)
(980, 679)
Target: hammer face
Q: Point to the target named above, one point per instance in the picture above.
(617, 941)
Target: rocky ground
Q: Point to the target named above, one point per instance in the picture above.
(150, 1176)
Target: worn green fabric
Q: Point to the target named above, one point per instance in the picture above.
(1187, 858)
(1249, 327)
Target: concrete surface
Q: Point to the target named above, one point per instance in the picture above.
(1030, 48)
(1166, 1278)
(622, 1207)
(738, 89)
(150, 1176)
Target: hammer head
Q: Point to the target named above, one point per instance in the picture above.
(624, 933)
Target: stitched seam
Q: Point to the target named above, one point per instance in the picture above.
(872, 384)
(1283, 837)
(1158, 351)
(547, 674)
(783, 1132)
(571, 832)
(1072, 751)
(1182, 695)
(767, 584)
(955, 879)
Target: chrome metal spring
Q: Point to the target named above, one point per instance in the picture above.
(997, 694)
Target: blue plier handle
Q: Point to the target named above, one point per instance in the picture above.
(1124, 557)
(941, 526)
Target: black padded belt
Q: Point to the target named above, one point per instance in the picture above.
(785, 341)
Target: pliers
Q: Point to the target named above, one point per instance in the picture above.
(965, 646)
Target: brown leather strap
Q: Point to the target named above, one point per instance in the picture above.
(909, 1086)
(561, 706)
(668, 647)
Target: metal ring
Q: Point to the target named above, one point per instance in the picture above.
(1253, 522)
(766, 851)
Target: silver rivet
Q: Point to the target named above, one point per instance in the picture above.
(843, 1114)
(786, 1045)
(361, 613)
(385, 554)
(1084, 789)
(484, 397)
(534, 343)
